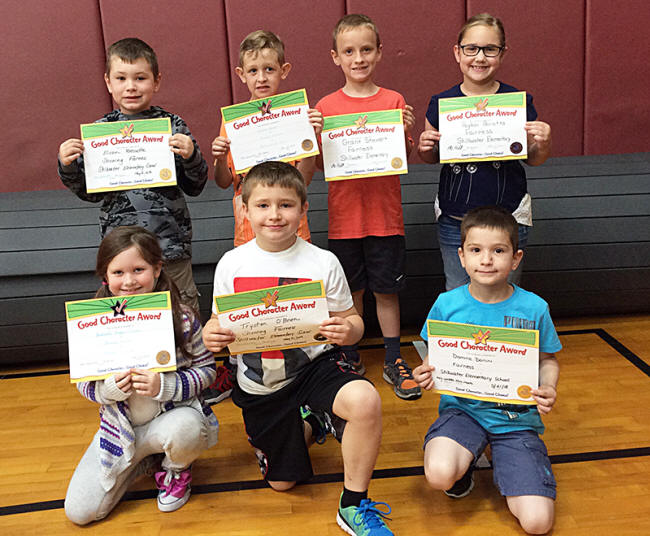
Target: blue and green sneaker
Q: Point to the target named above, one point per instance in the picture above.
(365, 519)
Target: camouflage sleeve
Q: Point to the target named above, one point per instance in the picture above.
(191, 174)
(74, 178)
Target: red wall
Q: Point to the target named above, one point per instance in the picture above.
(582, 61)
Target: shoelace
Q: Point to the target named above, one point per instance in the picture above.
(369, 514)
(171, 482)
(404, 369)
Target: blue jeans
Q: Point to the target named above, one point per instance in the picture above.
(449, 240)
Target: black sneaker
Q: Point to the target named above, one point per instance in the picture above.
(463, 486)
(221, 388)
(400, 376)
(322, 423)
(353, 359)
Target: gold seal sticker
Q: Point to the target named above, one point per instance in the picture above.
(165, 174)
(307, 145)
(320, 337)
(396, 163)
(163, 357)
(523, 391)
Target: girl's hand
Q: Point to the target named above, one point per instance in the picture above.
(409, 118)
(145, 382)
(182, 144)
(220, 147)
(423, 375)
(215, 337)
(336, 329)
(540, 132)
(545, 396)
(428, 141)
(70, 150)
(123, 381)
(316, 120)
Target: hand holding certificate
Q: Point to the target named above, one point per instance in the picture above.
(274, 318)
(484, 363)
(124, 155)
(363, 145)
(483, 127)
(109, 335)
(273, 128)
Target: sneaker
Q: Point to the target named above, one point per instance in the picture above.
(399, 374)
(322, 423)
(352, 358)
(365, 519)
(174, 489)
(221, 388)
(463, 486)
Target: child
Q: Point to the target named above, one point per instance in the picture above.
(132, 78)
(479, 52)
(522, 469)
(144, 413)
(262, 68)
(366, 226)
(273, 387)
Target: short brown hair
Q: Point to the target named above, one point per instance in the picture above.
(274, 174)
(484, 19)
(129, 50)
(259, 40)
(492, 217)
(354, 20)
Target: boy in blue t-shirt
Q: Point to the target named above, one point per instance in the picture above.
(522, 470)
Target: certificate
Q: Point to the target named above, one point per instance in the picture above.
(124, 155)
(483, 127)
(273, 128)
(363, 145)
(274, 318)
(484, 363)
(109, 335)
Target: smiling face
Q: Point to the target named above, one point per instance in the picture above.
(357, 53)
(479, 71)
(274, 213)
(132, 85)
(128, 273)
(262, 72)
(488, 256)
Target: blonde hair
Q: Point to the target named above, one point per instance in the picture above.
(259, 40)
(484, 19)
(354, 20)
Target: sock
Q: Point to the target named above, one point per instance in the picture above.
(392, 349)
(352, 498)
(350, 350)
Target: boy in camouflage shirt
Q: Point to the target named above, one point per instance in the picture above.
(132, 78)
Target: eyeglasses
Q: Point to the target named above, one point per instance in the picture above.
(490, 51)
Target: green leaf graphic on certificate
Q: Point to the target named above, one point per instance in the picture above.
(78, 309)
(296, 291)
(510, 100)
(140, 126)
(237, 111)
(373, 118)
(524, 337)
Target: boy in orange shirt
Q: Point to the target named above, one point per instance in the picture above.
(366, 225)
(262, 68)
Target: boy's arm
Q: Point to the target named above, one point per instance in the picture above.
(70, 167)
(307, 166)
(191, 172)
(409, 123)
(549, 373)
(223, 175)
(429, 143)
(539, 142)
(343, 327)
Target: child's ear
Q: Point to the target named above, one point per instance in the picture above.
(516, 259)
(156, 83)
(158, 269)
(245, 208)
(108, 83)
(284, 70)
(461, 256)
(457, 53)
(380, 50)
(305, 207)
(335, 57)
(240, 74)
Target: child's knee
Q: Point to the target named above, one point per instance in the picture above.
(536, 522)
(281, 485)
(358, 401)
(535, 514)
(439, 473)
(78, 512)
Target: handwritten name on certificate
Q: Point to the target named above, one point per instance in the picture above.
(274, 318)
(484, 363)
(109, 335)
(363, 145)
(483, 127)
(273, 128)
(125, 155)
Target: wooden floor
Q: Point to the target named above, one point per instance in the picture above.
(598, 437)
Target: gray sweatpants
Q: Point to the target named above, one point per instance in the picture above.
(181, 434)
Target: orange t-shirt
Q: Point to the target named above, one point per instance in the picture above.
(370, 206)
(243, 229)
